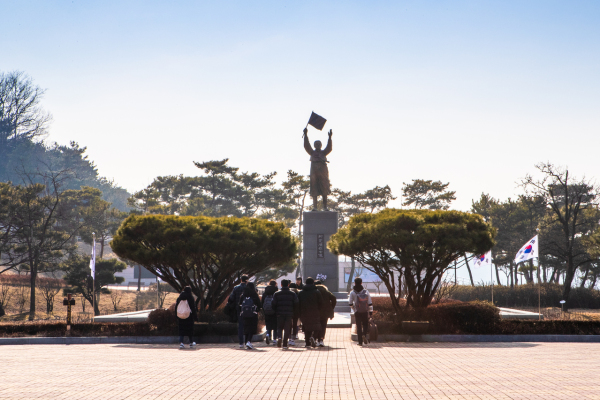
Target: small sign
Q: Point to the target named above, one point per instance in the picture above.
(320, 245)
(562, 302)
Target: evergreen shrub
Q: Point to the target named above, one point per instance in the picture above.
(446, 317)
(163, 319)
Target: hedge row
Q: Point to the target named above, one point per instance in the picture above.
(52, 329)
(472, 318)
(24, 280)
(446, 318)
(527, 295)
(215, 323)
(110, 329)
(161, 322)
(510, 327)
(516, 327)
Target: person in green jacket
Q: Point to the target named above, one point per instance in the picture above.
(327, 313)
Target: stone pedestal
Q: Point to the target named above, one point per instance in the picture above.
(316, 257)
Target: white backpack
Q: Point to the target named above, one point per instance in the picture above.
(183, 309)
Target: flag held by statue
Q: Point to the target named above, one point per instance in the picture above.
(317, 121)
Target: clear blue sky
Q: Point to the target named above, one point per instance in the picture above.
(470, 92)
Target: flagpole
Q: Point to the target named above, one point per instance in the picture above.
(538, 274)
(94, 275)
(492, 276)
(306, 127)
(539, 292)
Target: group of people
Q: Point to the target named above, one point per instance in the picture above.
(310, 303)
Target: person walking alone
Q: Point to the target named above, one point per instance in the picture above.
(327, 311)
(186, 315)
(285, 302)
(311, 303)
(360, 301)
(270, 316)
(250, 306)
(234, 304)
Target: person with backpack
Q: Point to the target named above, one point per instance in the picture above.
(311, 303)
(285, 302)
(269, 312)
(185, 308)
(360, 301)
(295, 326)
(233, 303)
(327, 313)
(249, 307)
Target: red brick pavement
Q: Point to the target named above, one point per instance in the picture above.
(340, 371)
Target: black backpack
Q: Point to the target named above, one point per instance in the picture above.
(248, 308)
(268, 305)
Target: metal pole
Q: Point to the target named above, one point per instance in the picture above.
(454, 272)
(94, 277)
(492, 277)
(539, 293)
(157, 293)
(539, 281)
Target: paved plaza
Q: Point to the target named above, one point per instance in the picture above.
(341, 371)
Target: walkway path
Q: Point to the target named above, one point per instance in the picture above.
(341, 371)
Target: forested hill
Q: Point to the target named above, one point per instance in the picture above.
(20, 161)
(25, 156)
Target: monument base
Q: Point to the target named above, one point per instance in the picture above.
(317, 260)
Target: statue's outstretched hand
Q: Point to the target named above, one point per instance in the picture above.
(305, 131)
(330, 132)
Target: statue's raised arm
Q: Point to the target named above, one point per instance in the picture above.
(307, 145)
(329, 146)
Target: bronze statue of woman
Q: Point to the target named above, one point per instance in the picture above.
(319, 173)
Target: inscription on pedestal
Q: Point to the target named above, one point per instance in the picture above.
(320, 245)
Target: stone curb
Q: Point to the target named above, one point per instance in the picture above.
(121, 340)
(487, 338)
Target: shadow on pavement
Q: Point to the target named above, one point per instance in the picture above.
(225, 346)
(452, 345)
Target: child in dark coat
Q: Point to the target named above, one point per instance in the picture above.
(250, 323)
(186, 326)
(270, 318)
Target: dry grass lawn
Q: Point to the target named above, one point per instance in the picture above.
(127, 300)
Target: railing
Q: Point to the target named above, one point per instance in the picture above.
(129, 286)
(555, 313)
(119, 311)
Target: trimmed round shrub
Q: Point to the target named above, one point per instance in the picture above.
(163, 319)
(445, 318)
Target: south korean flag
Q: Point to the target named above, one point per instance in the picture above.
(528, 252)
(484, 260)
